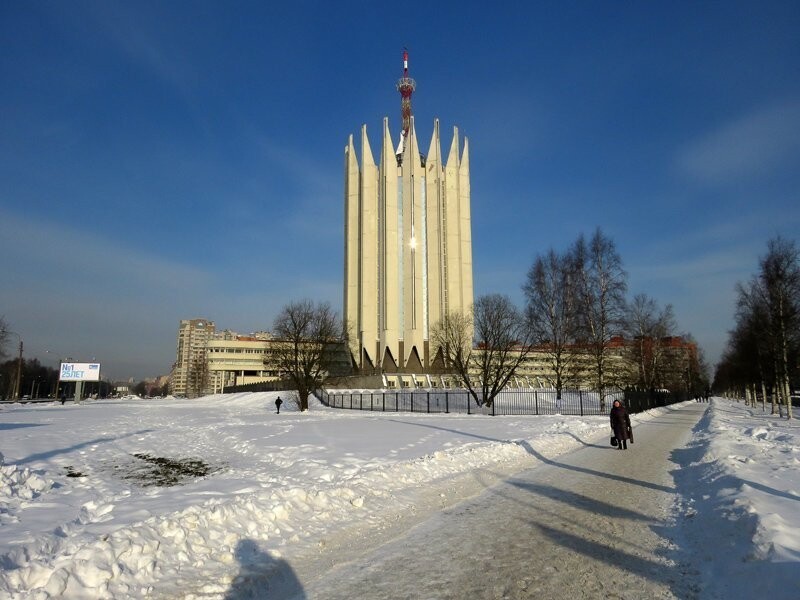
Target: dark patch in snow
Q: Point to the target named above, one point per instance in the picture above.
(164, 472)
(72, 472)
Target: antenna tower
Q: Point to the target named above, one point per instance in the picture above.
(406, 87)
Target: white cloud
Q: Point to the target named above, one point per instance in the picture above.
(757, 143)
(44, 247)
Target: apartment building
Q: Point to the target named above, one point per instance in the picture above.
(190, 371)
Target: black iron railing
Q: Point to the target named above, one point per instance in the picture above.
(528, 401)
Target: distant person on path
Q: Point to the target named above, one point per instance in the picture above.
(707, 394)
(278, 403)
(63, 398)
(621, 425)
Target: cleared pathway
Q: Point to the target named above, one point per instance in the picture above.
(590, 524)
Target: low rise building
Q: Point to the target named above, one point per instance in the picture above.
(235, 359)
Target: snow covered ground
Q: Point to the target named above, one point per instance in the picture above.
(190, 498)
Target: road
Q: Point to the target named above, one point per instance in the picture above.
(594, 523)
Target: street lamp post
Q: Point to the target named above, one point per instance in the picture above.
(17, 390)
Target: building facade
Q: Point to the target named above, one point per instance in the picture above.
(235, 359)
(408, 246)
(677, 369)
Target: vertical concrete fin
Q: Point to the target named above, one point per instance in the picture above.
(368, 291)
(414, 244)
(352, 247)
(412, 146)
(435, 150)
(434, 226)
(465, 214)
(389, 284)
(452, 243)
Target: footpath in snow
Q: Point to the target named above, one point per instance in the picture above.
(593, 523)
(220, 497)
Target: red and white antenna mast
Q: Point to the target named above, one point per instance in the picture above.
(406, 87)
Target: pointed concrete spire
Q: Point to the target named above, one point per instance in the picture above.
(465, 156)
(412, 146)
(452, 157)
(435, 149)
(350, 154)
(366, 151)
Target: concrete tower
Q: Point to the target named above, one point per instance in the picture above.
(408, 244)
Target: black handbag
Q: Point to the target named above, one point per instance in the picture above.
(614, 441)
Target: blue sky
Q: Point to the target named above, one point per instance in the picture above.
(169, 160)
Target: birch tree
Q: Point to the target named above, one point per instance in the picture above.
(647, 325)
(780, 278)
(486, 349)
(601, 284)
(551, 314)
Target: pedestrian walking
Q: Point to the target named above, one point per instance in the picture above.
(278, 403)
(63, 398)
(621, 425)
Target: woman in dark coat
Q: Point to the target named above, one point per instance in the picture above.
(621, 425)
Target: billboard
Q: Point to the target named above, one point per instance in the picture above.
(80, 371)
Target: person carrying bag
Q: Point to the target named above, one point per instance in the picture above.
(620, 426)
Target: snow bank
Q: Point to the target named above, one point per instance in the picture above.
(740, 501)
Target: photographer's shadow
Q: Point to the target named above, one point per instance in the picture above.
(263, 576)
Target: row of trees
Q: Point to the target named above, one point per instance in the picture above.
(36, 380)
(40, 381)
(576, 312)
(763, 349)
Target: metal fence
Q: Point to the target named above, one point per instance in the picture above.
(521, 401)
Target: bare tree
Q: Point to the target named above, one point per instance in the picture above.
(197, 377)
(694, 364)
(602, 284)
(486, 350)
(647, 326)
(308, 338)
(3, 337)
(551, 313)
